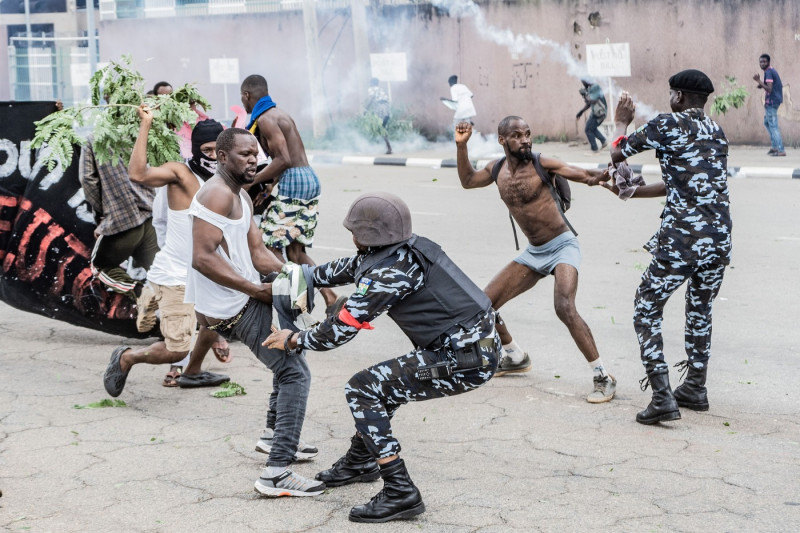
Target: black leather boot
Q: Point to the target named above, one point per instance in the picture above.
(399, 498)
(692, 393)
(663, 406)
(354, 466)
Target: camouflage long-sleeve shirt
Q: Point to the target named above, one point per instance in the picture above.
(693, 152)
(389, 282)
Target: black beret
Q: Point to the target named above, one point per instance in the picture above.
(691, 81)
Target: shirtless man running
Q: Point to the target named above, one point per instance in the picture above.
(290, 220)
(553, 248)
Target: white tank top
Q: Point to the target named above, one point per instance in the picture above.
(209, 298)
(172, 262)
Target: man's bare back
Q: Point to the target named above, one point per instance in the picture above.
(277, 120)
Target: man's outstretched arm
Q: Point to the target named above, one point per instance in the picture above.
(470, 178)
(589, 176)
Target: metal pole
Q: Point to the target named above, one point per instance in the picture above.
(314, 72)
(360, 45)
(28, 21)
(90, 30)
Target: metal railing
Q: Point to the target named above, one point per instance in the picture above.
(118, 9)
(49, 68)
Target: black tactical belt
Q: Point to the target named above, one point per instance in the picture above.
(467, 358)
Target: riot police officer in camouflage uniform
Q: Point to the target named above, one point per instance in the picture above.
(446, 316)
(693, 245)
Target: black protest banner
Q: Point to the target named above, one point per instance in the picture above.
(46, 233)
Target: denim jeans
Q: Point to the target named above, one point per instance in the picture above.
(771, 123)
(290, 384)
(592, 132)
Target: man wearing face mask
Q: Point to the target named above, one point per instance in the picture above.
(166, 279)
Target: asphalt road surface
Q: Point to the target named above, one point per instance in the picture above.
(524, 453)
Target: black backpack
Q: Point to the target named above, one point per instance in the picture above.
(557, 185)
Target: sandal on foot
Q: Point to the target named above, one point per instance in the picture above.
(203, 379)
(171, 379)
(114, 378)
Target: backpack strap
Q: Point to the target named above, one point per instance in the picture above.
(549, 179)
(496, 169)
(496, 172)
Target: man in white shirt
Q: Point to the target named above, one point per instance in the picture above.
(228, 259)
(462, 96)
(167, 274)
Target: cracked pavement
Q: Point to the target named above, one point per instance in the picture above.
(523, 453)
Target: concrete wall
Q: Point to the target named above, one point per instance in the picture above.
(719, 37)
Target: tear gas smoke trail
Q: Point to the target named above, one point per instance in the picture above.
(526, 44)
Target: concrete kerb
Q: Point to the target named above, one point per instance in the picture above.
(420, 162)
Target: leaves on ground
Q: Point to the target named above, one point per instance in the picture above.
(229, 389)
(102, 403)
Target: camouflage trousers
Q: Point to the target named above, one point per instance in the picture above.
(659, 282)
(374, 394)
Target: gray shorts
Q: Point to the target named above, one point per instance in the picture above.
(543, 259)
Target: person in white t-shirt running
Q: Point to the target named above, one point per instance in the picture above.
(462, 96)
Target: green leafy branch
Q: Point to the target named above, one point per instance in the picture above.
(107, 402)
(228, 389)
(734, 97)
(115, 125)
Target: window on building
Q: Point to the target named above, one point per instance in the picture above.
(16, 7)
(38, 30)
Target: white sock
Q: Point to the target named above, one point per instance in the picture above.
(514, 351)
(273, 471)
(598, 369)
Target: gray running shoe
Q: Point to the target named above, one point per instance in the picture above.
(604, 389)
(114, 377)
(305, 451)
(288, 484)
(507, 366)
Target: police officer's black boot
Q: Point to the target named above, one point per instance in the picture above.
(399, 498)
(355, 465)
(692, 393)
(663, 406)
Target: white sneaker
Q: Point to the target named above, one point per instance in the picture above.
(604, 389)
(507, 366)
(288, 483)
(305, 451)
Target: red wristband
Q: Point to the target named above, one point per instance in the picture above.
(615, 142)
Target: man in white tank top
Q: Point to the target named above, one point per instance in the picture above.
(167, 275)
(228, 259)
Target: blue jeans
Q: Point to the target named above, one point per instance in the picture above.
(593, 132)
(290, 384)
(771, 123)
